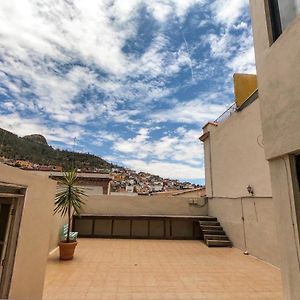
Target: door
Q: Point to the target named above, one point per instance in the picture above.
(5, 209)
(8, 238)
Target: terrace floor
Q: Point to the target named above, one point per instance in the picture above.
(159, 269)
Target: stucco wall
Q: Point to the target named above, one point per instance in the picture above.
(287, 226)
(33, 241)
(191, 194)
(142, 205)
(278, 71)
(57, 223)
(258, 233)
(234, 156)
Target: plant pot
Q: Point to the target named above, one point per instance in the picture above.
(66, 250)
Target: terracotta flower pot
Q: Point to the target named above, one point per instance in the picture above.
(66, 250)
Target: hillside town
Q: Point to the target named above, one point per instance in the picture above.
(130, 181)
(124, 180)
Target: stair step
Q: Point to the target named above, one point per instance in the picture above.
(209, 227)
(212, 223)
(214, 232)
(207, 218)
(218, 243)
(215, 237)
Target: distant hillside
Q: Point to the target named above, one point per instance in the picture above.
(35, 149)
(38, 138)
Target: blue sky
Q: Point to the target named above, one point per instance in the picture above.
(133, 81)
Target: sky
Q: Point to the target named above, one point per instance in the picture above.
(132, 81)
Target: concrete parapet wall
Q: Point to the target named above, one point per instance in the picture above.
(143, 205)
(257, 234)
(57, 223)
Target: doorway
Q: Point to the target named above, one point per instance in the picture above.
(5, 217)
(297, 192)
(11, 207)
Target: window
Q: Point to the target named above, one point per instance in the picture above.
(298, 169)
(282, 12)
(297, 191)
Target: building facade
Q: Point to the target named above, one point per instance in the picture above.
(276, 31)
(93, 183)
(234, 163)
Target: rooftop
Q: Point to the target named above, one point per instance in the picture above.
(79, 174)
(159, 269)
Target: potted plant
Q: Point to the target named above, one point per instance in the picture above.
(68, 200)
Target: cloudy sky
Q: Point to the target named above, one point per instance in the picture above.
(133, 80)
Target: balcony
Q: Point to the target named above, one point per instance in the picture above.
(159, 269)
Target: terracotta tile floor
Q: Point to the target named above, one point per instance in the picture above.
(158, 269)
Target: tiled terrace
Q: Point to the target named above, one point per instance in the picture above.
(159, 269)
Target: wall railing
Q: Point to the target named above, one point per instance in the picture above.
(226, 114)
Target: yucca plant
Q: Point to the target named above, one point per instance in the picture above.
(69, 198)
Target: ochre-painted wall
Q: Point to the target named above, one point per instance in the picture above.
(244, 86)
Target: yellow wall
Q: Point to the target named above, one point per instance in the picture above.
(244, 86)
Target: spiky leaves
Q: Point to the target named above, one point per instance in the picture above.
(69, 198)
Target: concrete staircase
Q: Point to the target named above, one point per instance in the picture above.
(213, 233)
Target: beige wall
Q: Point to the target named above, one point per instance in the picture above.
(234, 156)
(33, 241)
(278, 70)
(142, 205)
(191, 194)
(258, 234)
(57, 223)
(287, 226)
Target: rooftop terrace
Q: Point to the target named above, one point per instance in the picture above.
(159, 269)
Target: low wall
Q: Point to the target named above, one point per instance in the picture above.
(138, 227)
(57, 223)
(126, 206)
(143, 205)
(257, 234)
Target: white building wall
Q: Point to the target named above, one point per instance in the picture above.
(234, 156)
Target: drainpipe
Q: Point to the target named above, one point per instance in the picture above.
(244, 230)
(210, 169)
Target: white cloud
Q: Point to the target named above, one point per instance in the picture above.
(228, 11)
(221, 45)
(182, 146)
(22, 126)
(196, 111)
(166, 169)
(236, 49)
(244, 62)
(42, 42)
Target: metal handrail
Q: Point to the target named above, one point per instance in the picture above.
(226, 114)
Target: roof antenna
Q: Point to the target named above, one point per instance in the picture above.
(73, 162)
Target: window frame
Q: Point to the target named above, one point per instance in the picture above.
(275, 20)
